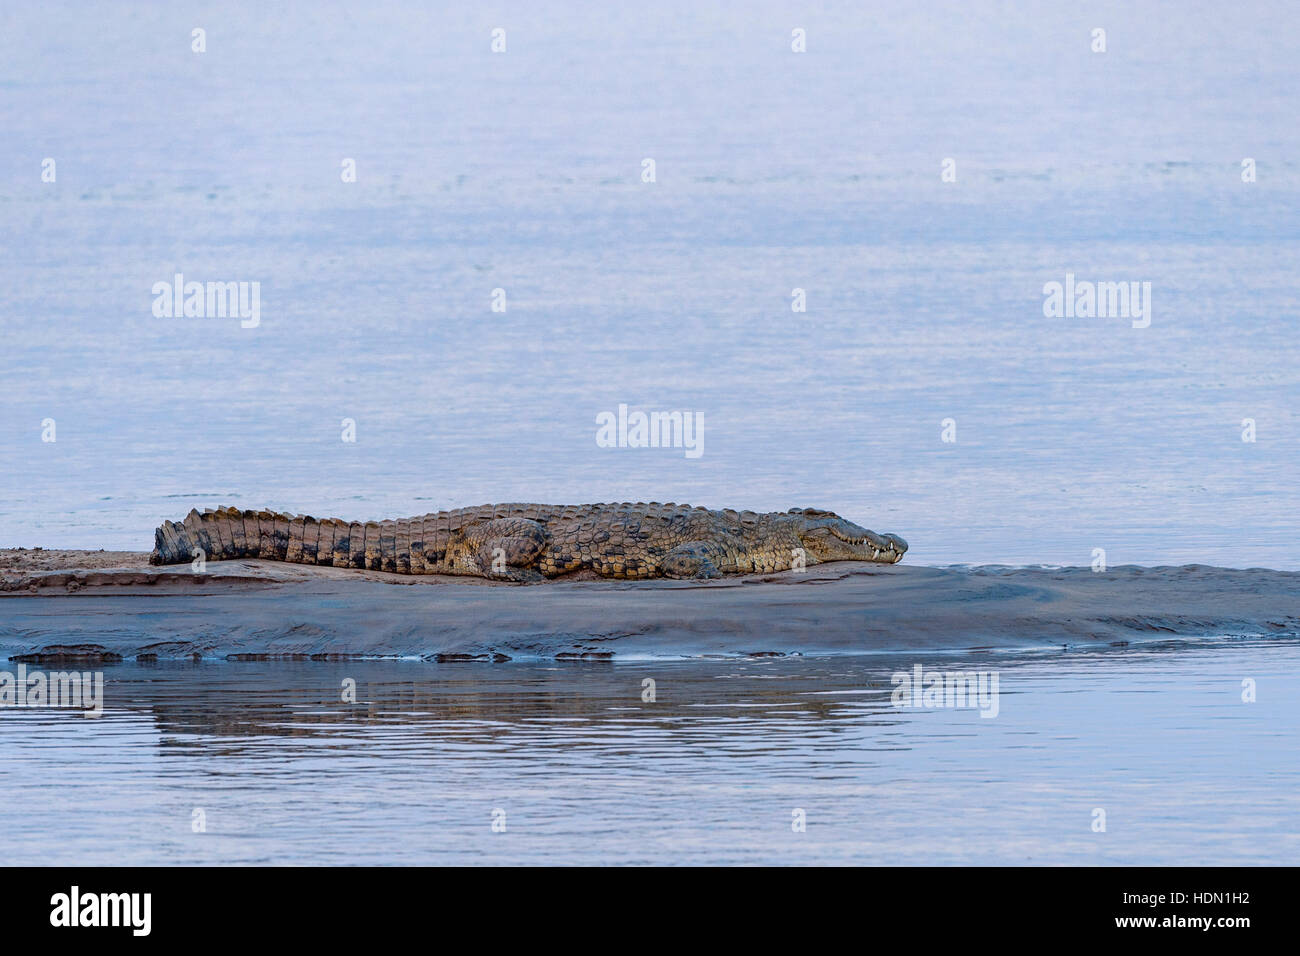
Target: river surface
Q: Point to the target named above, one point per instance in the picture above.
(573, 766)
(775, 171)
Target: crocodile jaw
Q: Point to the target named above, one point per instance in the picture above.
(828, 537)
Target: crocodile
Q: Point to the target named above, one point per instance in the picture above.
(531, 542)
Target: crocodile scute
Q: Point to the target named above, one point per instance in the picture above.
(530, 542)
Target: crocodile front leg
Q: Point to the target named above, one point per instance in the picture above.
(694, 559)
(502, 549)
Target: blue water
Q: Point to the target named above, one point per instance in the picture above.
(579, 769)
(774, 170)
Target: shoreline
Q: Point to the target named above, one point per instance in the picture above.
(105, 607)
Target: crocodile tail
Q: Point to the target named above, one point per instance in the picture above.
(171, 544)
(224, 534)
(231, 533)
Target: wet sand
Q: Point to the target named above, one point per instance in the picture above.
(16, 562)
(108, 606)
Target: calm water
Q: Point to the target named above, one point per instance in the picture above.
(711, 772)
(774, 170)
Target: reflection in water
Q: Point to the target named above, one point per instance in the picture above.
(582, 769)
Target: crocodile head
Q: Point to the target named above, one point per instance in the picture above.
(828, 537)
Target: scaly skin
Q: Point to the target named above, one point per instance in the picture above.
(527, 542)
